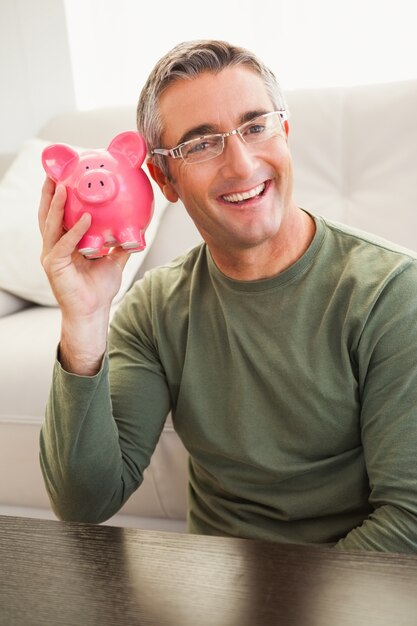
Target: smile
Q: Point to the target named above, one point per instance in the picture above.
(245, 195)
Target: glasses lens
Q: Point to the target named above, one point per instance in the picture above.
(261, 128)
(202, 149)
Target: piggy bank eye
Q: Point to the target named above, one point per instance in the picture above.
(102, 165)
(87, 167)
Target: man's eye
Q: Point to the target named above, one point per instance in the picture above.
(200, 146)
(254, 129)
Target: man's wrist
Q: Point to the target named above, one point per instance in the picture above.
(80, 364)
(83, 345)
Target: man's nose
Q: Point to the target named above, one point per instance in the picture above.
(237, 157)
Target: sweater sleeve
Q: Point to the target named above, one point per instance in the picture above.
(387, 365)
(99, 432)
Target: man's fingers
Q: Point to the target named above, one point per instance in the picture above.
(67, 243)
(58, 245)
(48, 190)
(60, 256)
(51, 216)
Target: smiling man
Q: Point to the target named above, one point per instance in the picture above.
(241, 199)
(284, 345)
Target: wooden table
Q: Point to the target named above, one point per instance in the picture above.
(55, 573)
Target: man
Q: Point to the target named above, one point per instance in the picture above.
(285, 345)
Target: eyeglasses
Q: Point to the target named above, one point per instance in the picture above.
(207, 147)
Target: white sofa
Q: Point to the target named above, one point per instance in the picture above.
(355, 161)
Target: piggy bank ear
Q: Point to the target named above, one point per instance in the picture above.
(131, 145)
(58, 158)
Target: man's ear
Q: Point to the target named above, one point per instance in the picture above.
(163, 182)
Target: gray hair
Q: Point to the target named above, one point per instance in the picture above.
(186, 61)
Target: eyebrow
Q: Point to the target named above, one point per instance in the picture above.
(208, 129)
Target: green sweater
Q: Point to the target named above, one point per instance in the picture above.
(295, 396)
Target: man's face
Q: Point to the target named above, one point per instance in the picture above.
(212, 191)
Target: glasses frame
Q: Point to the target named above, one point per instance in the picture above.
(176, 152)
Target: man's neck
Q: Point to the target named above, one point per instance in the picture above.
(269, 258)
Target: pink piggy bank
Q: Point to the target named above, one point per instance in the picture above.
(111, 186)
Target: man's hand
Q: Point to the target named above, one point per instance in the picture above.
(84, 289)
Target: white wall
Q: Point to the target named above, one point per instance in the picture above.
(35, 69)
(306, 42)
(110, 46)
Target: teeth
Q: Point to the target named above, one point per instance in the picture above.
(245, 195)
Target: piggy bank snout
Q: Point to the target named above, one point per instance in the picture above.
(95, 186)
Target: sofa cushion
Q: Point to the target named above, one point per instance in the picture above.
(11, 304)
(28, 342)
(21, 273)
(354, 152)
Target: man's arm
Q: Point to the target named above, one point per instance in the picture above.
(387, 356)
(84, 289)
(79, 452)
(100, 432)
(88, 443)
